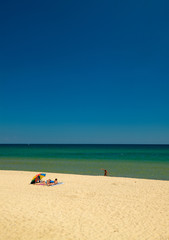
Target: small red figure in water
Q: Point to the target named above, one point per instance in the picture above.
(105, 172)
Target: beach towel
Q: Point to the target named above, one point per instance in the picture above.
(42, 184)
(56, 184)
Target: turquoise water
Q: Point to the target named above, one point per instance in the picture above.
(138, 161)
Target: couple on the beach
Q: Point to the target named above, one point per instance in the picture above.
(48, 182)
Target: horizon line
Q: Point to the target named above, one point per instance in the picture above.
(84, 143)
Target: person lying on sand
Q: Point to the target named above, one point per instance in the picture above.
(48, 182)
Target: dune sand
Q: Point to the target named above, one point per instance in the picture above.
(83, 208)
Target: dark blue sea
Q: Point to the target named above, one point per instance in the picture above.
(135, 161)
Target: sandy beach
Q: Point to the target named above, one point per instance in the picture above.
(83, 208)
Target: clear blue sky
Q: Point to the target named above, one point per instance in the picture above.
(84, 71)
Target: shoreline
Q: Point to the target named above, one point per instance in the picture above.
(101, 175)
(85, 207)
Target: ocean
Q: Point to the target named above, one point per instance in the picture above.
(134, 161)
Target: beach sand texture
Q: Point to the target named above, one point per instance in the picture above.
(83, 208)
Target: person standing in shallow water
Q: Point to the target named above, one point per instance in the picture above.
(105, 172)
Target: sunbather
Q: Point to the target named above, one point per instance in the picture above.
(48, 182)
